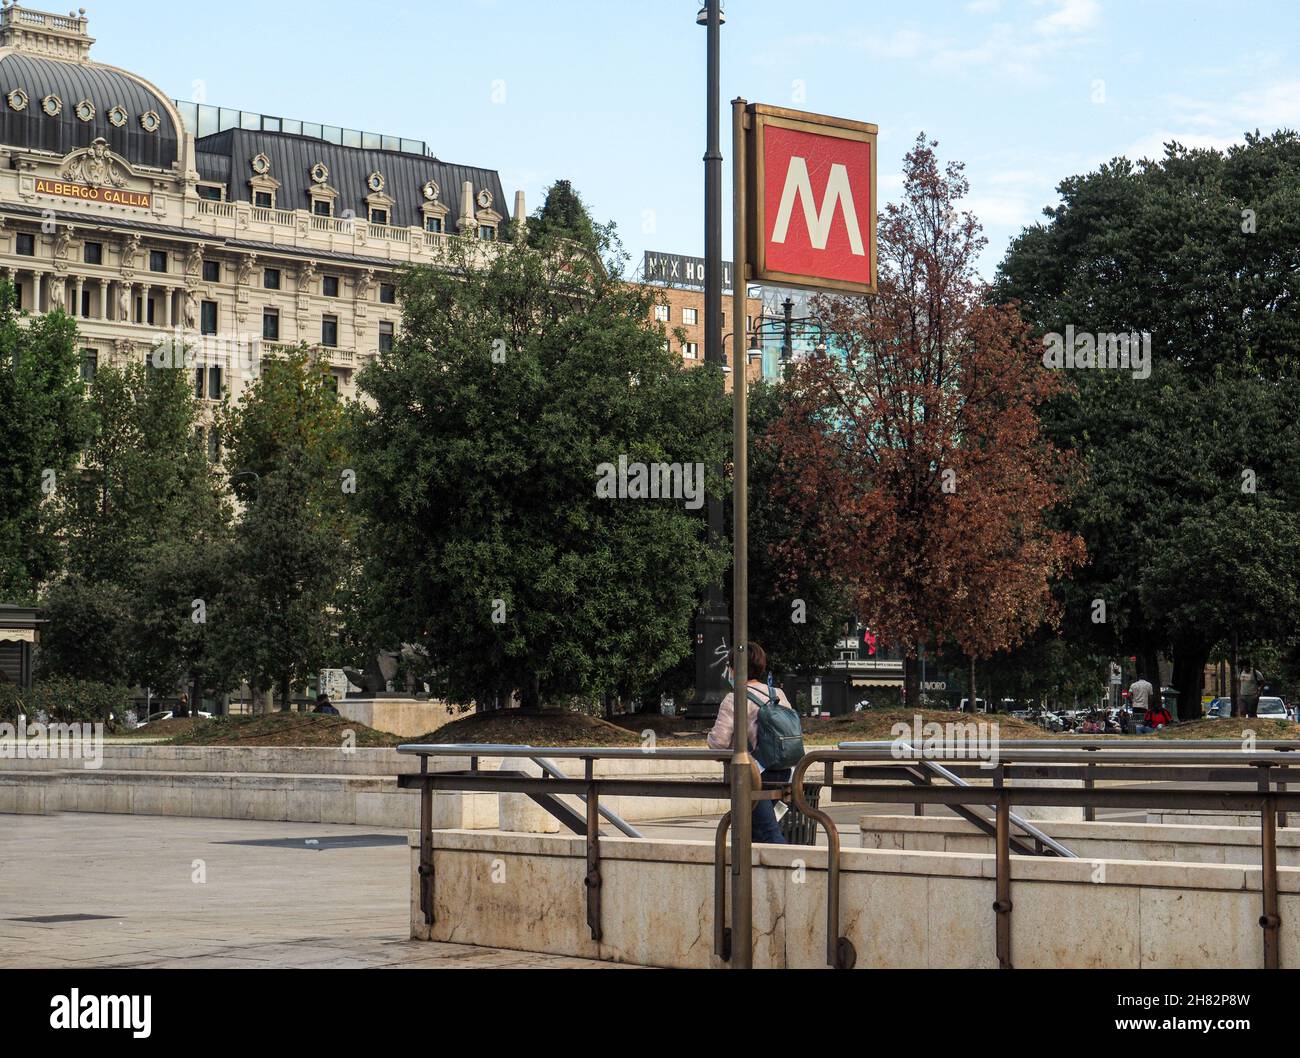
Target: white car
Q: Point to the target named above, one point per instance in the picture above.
(1272, 709)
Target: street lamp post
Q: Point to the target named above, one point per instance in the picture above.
(712, 618)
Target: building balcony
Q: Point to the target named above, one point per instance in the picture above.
(305, 232)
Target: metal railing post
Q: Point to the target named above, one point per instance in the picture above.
(1002, 903)
(593, 880)
(1090, 783)
(721, 933)
(840, 952)
(1270, 921)
(426, 843)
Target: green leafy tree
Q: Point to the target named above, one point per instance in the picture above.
(288, 563)
(479, 449)
(43, 424)
(289, 466)
(179, 601)
(144, 503)
(89, 635)
(1197, 250)
(563, 216)
(144, 477)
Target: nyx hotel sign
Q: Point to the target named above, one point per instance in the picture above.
(675, 270)
(811, 200)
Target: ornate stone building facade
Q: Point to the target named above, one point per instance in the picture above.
(140, 216)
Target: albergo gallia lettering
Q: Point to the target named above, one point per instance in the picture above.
(110, 195)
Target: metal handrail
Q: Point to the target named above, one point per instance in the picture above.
(607, 814)
(1267, 766)
(471, 749)
(1023, 824)
(1265, 800)
(1010, 753)
(545, 789)
(1111, 742)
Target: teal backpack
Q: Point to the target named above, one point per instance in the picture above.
(780, 732)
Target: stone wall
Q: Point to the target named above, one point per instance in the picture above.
(311, 785)
(1181, 843)
(900, 909)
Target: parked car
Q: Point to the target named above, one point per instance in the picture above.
(1272, 709)
(1219, 709)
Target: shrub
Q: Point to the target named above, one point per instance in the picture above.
(67, 701)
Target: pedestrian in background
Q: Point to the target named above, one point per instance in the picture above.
(766, 829)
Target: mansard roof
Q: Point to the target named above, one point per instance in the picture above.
(120, 105)
(227, 157)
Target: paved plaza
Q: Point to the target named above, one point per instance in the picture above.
(80, 890)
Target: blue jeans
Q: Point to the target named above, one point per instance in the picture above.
(765, 827)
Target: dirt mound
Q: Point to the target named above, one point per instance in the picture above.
(280, 729)
(876, 725)
(1230, 729)
(532, 728)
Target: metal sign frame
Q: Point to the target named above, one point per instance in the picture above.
(762, 117)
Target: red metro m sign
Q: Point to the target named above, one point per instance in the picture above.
(811, 200)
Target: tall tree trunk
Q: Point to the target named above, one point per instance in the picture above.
(1235, 677)
(1189, 677)
(530, 693)
(1149, 660)
(285, 691)
(974, 707)
(911, 679)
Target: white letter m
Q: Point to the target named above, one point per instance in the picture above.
(798, 182)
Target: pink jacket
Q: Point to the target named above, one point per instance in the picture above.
(723, 728)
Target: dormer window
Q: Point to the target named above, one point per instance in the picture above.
(379, 206)
(322, 195)
(433, 208)
(487, 217)
(263, 185)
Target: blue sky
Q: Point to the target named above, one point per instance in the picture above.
(609, 93)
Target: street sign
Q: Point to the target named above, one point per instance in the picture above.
(812, 200)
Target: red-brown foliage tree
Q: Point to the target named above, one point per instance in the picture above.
(921, 435)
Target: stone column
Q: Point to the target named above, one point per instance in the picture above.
(103, 299)
(81, 286)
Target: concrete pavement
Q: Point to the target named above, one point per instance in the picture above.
(80, 890)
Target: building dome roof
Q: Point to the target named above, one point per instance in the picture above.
(43, 106)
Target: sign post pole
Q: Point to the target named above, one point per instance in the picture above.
(743, 769)
(806, 217)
